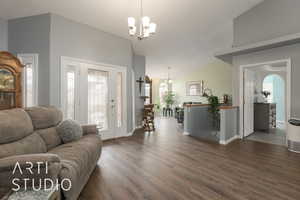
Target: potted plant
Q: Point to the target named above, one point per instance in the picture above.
(169, 99)
(214, 105)
(214, 109)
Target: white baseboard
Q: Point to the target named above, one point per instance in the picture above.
(131, 133)
(229, 140)
(186, 133)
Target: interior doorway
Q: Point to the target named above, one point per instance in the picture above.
(265, 101)
(95, 93)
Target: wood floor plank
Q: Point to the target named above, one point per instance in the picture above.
(168, 165)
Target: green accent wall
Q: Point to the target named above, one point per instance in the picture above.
(216, 75)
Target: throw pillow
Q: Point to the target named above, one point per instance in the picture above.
(69, 131)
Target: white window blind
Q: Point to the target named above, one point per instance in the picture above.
(29, 85)
(30, 79)
(119, 100)
(70, 109)
(98, 98)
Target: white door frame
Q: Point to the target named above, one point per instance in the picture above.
(64, 60)
(249, 79)
(288, 88)
(133, 100)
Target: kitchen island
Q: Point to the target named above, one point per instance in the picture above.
(199, 123)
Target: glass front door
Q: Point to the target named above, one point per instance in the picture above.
(94, 94)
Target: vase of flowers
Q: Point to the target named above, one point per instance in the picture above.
(266, 94)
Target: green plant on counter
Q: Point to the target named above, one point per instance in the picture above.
(214, 109)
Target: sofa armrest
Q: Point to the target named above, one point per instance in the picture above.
(90, 129)
(34, 167)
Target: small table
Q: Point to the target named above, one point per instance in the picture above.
(50, 194)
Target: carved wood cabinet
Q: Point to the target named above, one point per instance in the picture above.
(10, 81)
(264, 116)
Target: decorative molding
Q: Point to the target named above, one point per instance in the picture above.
(259, 46)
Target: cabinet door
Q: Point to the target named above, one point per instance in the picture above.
(7, 88)
(10, 81)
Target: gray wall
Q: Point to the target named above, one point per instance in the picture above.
(32, 35)
(139, 63)
(53, 36)
(3, 35)
(268, 20)
(69, 38)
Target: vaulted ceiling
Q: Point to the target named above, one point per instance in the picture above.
(188, 32)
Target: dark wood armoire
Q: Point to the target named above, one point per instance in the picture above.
(10, 81)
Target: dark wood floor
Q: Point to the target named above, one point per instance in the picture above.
(167, 165)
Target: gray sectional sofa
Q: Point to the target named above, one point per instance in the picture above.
(30, 135)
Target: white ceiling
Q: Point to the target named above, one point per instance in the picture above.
(188, 32)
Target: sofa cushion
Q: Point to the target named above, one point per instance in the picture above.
(15, 124)
(78, 160)
(28, 145)
(50, 137)
(69, 131)
(44, 117)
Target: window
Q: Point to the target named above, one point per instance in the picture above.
(30, 79)
(119, 99)
(147, 93)
(29, 85)
(163, 89)
(70, 108)
(98, 98)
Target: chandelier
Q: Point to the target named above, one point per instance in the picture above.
(169, 81)
(146, 28)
